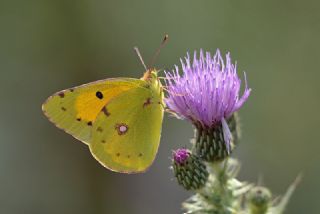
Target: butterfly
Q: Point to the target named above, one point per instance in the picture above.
(119, 119)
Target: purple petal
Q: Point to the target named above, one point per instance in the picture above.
(207, 90)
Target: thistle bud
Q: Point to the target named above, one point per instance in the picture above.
(259, 200)
(189, 170)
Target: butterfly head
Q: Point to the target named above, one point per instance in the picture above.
(151, 75)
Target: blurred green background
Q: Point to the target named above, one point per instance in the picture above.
(49, 45)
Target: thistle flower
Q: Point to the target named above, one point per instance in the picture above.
(207, 94)
(189, 170)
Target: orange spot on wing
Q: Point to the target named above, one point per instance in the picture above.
(88, 106)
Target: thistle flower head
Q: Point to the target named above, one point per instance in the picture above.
(207, 91)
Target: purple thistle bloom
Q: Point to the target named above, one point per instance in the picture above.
(207, 93)
(181, 155)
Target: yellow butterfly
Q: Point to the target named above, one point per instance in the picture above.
(119, 119)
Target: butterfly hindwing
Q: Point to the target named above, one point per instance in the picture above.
(75, 110)
(127, 138)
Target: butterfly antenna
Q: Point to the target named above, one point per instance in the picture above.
(136, 49)
(156, 54)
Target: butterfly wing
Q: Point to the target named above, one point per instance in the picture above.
(75, 110)
(127, 139)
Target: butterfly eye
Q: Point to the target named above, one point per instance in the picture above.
(99, 95)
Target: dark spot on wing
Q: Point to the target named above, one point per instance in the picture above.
(71, 90)
(103, 141)
(79, 119)
(118, 154)
(63, 109)
(105, 111)
(61, 94)
(89, 123)
(99, 95)
(99, 129)
(147, 102)
(140, 155)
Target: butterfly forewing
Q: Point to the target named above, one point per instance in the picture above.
(75, 110)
